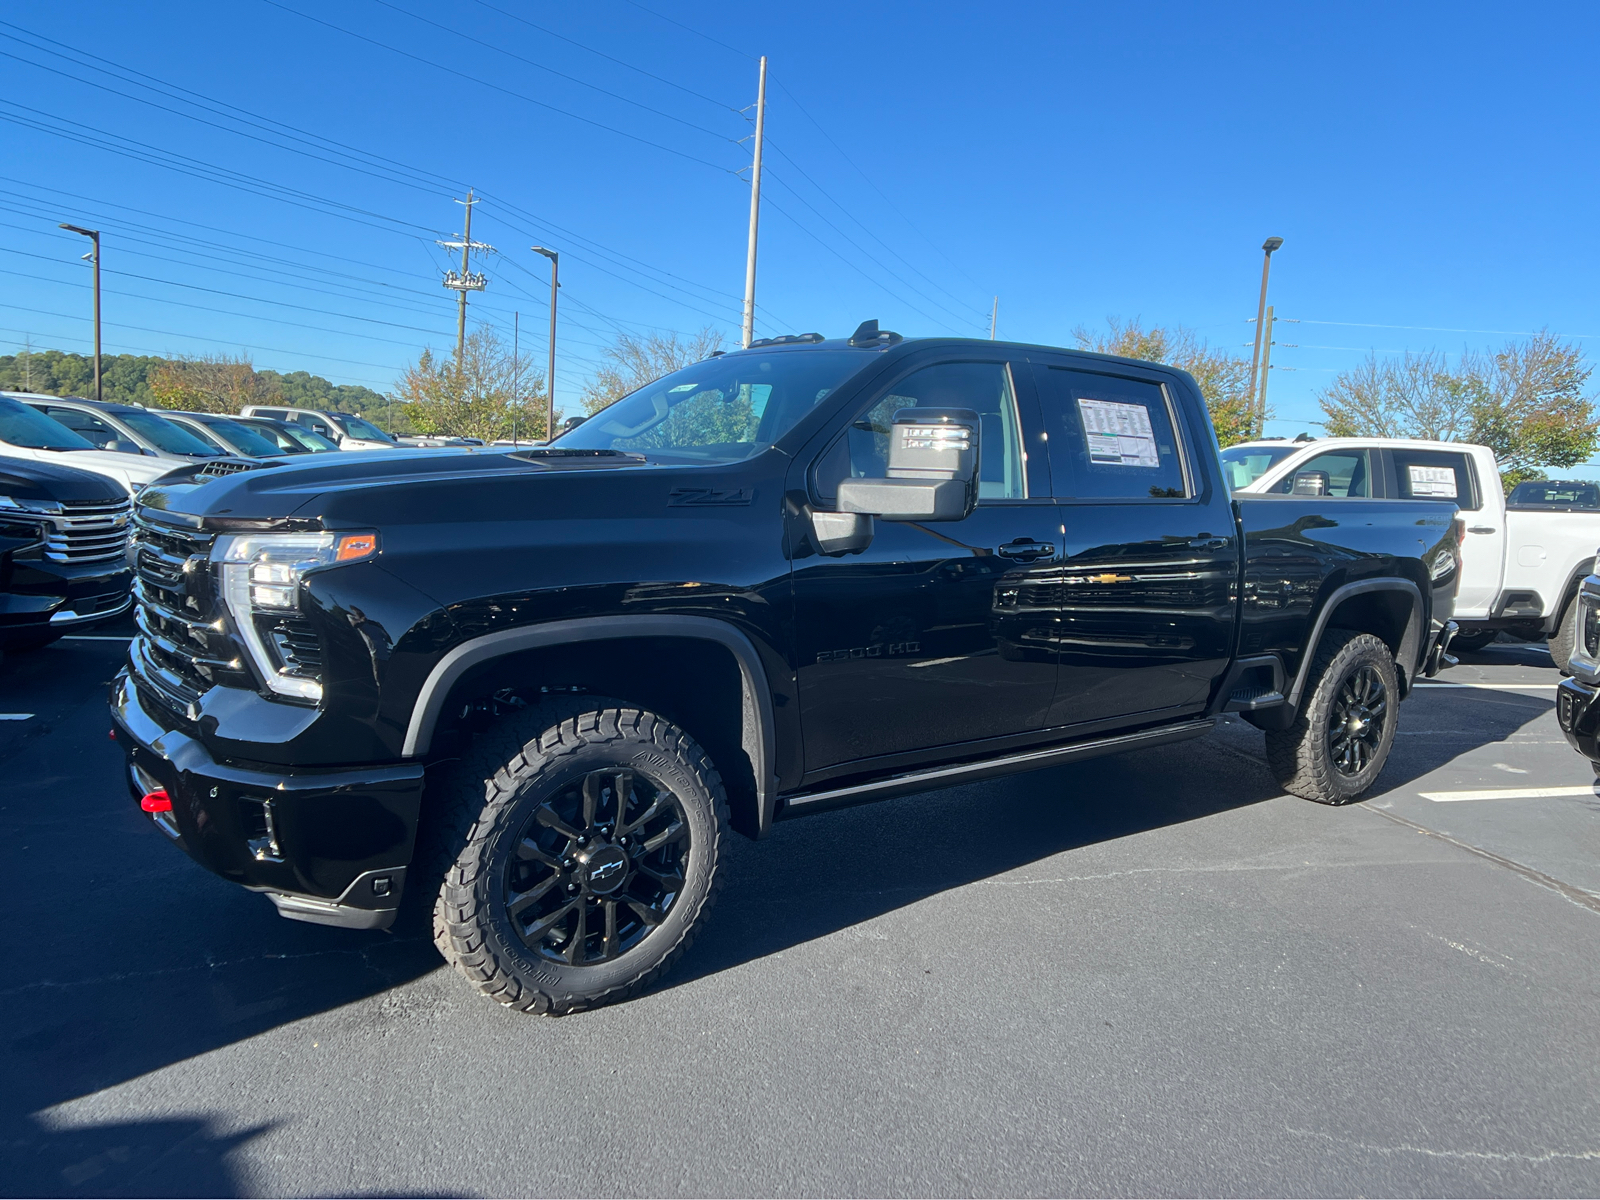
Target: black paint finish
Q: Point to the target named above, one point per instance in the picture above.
(1036, 620)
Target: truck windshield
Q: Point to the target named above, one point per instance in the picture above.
(365, 431)
(164, 435)
(23, 426)
(1246, 464)
(722, 410)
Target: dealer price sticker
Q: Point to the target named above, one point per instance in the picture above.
(1119, 435)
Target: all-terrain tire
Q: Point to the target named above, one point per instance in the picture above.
(526, 772)
(1564, 638)
(1302, 757)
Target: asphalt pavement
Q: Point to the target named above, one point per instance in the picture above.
(1150, 974)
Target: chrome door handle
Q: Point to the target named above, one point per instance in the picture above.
(1480, 528)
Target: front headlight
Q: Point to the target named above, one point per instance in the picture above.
(261, 578)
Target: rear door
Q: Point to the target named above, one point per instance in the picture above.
(1151, 555)
(1452, 475)
(939, 633)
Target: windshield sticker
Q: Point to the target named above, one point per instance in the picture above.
(1119, 434)
(1433, 481)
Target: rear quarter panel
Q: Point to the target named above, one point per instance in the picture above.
(1298, 550)
(1548, 552)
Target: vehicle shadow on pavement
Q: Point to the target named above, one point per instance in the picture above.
(821, 874)
(1454, 722)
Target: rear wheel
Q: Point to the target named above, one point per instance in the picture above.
(583, 860)
(1564, 638)
(1341, 737)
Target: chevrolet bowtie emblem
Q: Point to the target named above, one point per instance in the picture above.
(1099, 578)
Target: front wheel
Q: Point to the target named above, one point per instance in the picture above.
(587, 857)
(1342, 735)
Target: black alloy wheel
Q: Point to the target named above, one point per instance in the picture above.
(597, 867)
(1356, 720)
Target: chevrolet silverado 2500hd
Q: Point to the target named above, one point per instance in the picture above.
(533, 689)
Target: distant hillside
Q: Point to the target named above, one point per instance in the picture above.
(125, 379)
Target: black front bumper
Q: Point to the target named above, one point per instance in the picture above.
(327, 845)
(1578, 712)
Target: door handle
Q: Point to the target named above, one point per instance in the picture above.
(1027, 550)
(1480, 528)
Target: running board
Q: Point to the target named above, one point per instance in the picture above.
(936, 777)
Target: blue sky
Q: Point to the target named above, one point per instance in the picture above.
(1431, 169)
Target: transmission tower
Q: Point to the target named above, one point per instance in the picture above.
(466, 280)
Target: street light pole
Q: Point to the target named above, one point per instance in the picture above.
(1259, 413)
(94, 257)
(748, 330)
(550, 379)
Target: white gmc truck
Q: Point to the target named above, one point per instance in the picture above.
(1523, 556)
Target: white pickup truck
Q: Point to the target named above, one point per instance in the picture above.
(1523, 558)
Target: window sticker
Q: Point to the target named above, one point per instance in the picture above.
(1119, 435)
(1433, 481)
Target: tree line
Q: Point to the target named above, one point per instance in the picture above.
(208, 383)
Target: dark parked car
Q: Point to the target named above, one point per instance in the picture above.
(63, 551)
(535, 689)
(290, 438)
(1565, 495)
(229, 434)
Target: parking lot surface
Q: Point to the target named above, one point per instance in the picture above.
(1148, 974)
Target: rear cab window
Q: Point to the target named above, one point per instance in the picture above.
(1111, 437)
(1337, 473)
(1435, 475)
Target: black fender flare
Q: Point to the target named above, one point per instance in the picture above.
(1574, 583)
(1411, 642)
(756, 737)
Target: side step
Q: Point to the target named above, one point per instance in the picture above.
(934, 777)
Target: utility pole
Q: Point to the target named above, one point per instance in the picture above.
(755, 209)
(94, 257)
(994, 317)
(1258, 409)
(550, 379)
(27, 363)
(1266, 365)
(465, 281)
(516, 373)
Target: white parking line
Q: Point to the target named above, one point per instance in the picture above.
(1509, 794)
(16, 716)
(1499, 687)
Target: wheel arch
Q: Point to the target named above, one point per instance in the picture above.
(1574, 581)
(756, 737)
(1390, 609)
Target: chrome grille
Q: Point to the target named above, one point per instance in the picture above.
(93, 532)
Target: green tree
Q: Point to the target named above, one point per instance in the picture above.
(634, 360)
(1527, 402)
(1223, 378)
(489, 394)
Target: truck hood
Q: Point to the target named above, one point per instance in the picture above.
(289, 488)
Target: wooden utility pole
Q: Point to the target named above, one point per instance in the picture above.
(465, 281)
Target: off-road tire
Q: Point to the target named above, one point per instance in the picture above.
(478, 815)
(1564, 638)
(1300, 757)
(1472, 640)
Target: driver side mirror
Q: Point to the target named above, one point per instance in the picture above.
(1310, 483)
(933, 469)
(124, 446)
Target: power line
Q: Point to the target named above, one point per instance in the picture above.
(689, 29)
(497, 87)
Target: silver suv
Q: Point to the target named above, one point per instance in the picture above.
(352, 433)
(122, 427)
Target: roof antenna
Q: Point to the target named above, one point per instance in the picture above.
(866, 334)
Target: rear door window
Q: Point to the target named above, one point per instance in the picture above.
(1436, 475)
(92, 427)
(1338, 473)
(1110, 438)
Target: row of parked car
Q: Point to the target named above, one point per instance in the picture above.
(70, 469)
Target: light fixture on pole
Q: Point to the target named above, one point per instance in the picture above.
(550, 379)
(1258, 412)
(94, 257)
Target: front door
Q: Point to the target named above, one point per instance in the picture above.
(939, 634)
(1148, 576)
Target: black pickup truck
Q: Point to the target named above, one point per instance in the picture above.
(533, 689)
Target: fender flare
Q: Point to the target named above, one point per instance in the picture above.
(756, 736)
(1410, 639)
(1573, 586)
